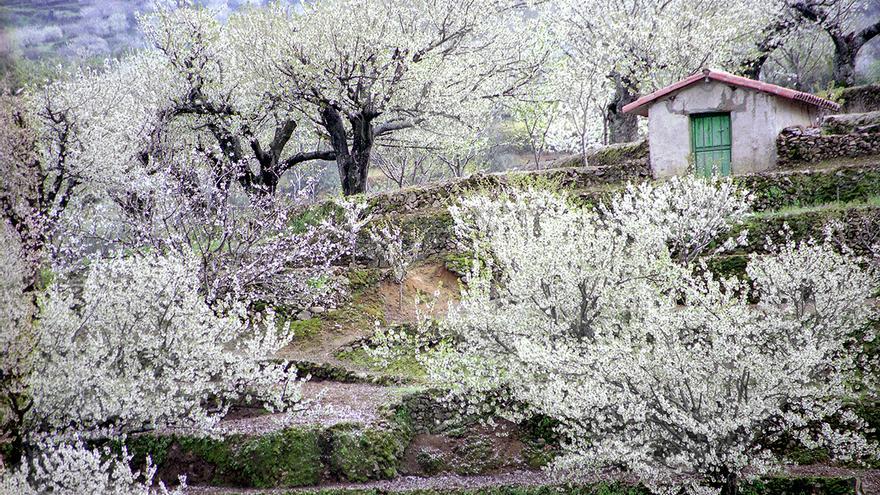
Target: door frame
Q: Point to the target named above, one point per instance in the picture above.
(692, 138)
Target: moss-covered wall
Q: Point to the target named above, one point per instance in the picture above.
(812, 187)
(857, 98)
(291, 457)
(858, 228)
(634, 154)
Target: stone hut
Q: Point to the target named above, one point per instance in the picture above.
(716, 123)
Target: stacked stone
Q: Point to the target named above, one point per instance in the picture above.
(850, 136)
(430, 413)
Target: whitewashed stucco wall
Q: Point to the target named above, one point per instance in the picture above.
(755, 120)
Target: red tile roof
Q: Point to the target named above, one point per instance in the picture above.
(640, 106)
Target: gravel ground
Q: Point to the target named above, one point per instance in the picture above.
(406, 483)
(327, 404)
(869, 478)
(869, 482)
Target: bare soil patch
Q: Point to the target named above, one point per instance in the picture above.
(421, 284)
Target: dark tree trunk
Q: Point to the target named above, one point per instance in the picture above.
(622, 127)
(352, 162)
(846, 44)
(846, 48)
(731, 485)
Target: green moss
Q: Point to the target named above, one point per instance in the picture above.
(431, 461)
(807, 224)
(404, 364)
(358, 454)
(290, 457)
(804, 456)
(303, 329)
(141, 446)
(475, 456)
(362, 278)
(814, 187)
(619, 153)
(800, 486)
(458, 263)
(216, 452)
(771, 486)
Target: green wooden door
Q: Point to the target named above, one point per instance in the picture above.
(710, 139)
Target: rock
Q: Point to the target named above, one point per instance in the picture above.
(317, 309)
(303, 315)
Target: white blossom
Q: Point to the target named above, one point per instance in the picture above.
(605, 322)
(137, 347)
(74, 469)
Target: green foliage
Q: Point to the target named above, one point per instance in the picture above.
(728, 266)
(541, 440)
(358, 454)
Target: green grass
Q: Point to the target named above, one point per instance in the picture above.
(869, 202)
(304, 329)
(405, 365)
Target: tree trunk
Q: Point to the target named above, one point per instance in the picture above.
(731, 484)
(846, 44)
(354, 163)
(622, 127)
(353, 170)
(844, 63)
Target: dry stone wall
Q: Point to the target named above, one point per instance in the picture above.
(572, 178)
(850, 135)
(859, 98)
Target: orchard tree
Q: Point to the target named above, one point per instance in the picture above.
(38, 180)
(351, 72)
(847, 25)
(802, 62)
(609, 322)
(73, 468)
(136, 348)
(532, 120)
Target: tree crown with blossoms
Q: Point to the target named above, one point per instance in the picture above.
(609, 323)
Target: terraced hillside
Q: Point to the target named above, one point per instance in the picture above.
(370, 427)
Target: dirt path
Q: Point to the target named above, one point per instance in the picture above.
(325, 404)
(868, 482)
(407, 483)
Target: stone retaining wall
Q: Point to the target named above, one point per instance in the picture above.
(840, 136)
(858, 98)
(438, 195)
